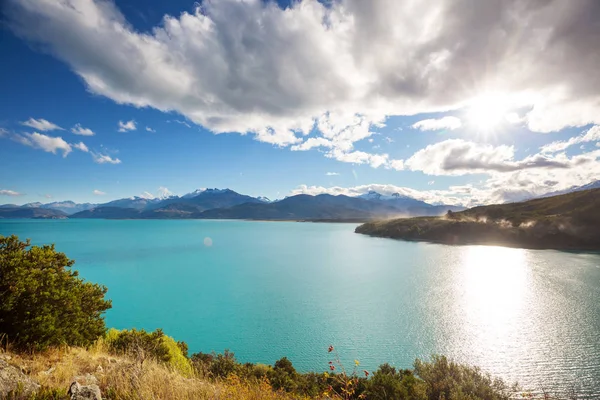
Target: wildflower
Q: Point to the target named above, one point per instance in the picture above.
(325, 374)
(332, 367)
(356, 362)
(330, 349)
(366, 373)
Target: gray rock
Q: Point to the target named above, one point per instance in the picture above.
(13, 381)
(88, 392)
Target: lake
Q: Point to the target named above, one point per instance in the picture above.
(271, 289)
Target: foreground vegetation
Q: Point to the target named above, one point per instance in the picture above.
(51, 327)
(569, 221)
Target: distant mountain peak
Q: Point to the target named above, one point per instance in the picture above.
(264, 199)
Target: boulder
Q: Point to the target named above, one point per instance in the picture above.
(14, 381)
(87, 392)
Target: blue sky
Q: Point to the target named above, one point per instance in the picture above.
(273, 102)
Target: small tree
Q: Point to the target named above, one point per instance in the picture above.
(44, 303)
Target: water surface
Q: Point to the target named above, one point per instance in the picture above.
(266, 290)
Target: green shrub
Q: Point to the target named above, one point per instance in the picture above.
(448, 380)
(155, 345)
(42, 302)
(387, 383)
(215, 365)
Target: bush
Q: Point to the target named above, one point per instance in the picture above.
(448, 380)
(215, 365)
(387, 383)
(155, 345)
(42, 302)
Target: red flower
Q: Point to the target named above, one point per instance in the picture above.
(366, 373)
(332, 367)
(330, 349)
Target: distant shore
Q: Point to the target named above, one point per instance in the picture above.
(456, 232)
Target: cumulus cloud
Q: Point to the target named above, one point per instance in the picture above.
(12, 193)
(81, 146)
(592, 135)
(252, 67)
(148, 129)
(332, 174)
(99, 192)
(79, 130)
(438, 124)
(41, 124)
(127, 126)
(461, 157)
(104, 159)
(43, 142)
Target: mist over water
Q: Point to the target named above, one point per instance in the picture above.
(266, 290)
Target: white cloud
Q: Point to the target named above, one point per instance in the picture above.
(104, 159)
(252, 67)
(81, 146)
(99, 192)
(43, 142)
(12, 193)
(438, 124)
(430, 183)
(150, 129)
(592, 135)
(79, 130)
(127, 126)
(180, 122)
(41, 124)
(48, 196)
(332, 174)
(461, 157)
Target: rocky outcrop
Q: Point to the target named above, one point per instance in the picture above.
(13, 381)
(84, 392)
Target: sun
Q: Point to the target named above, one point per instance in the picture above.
(488, 112)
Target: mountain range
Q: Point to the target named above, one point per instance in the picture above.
(228, 204)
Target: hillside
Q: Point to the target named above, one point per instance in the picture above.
(108, 213)
(306, 207)
(569, 221)
(27, 212)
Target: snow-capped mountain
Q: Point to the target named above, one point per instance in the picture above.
(373, 195)
(193, 194)
(264, 199)
(68, 207)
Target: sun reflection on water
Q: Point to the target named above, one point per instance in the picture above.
(493, 287)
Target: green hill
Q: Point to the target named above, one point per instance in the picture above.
(569, 221)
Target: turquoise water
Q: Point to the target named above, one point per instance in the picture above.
(267, 290)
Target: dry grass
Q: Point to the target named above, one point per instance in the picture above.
(128, 378)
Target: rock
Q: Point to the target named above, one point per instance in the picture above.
(15, 381)
(88, 392)
(87, 379)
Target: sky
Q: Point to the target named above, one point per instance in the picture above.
(448, 101)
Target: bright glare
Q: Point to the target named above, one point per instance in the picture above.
(488, 112)
(495, 283)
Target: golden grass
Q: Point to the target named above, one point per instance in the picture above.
(121, 377)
